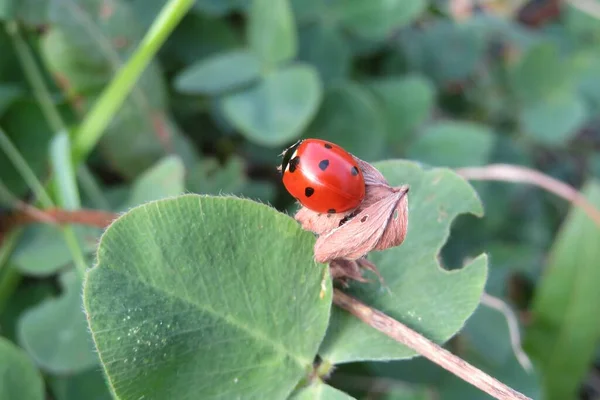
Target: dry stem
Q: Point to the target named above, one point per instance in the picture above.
(401, 333)
(27, 214)
(515, 173)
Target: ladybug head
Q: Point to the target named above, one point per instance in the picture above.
(287, 155)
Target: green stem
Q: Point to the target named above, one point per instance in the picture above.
(75, 249)
(10, 277)
(114, 95)
(35, 78)
(42, 94)
(67, 192)
(24, 170)
(90, 186)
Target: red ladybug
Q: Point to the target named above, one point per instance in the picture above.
(322, 176)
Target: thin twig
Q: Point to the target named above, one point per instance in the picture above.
(514, 173)
(401, 333)
(59, 216)
(513, 328)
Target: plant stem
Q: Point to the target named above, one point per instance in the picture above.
(442, 357)
(519, 174)
(10, 277)
(35, 78)
(68, 194)
(23, 168)
(90, 186)
(44, 98)
(115, 94)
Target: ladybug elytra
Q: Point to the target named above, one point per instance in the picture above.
(322, 176)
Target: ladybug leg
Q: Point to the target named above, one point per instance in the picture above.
(368, 265)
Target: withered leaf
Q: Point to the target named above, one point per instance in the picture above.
(317, 222)
(381, 225)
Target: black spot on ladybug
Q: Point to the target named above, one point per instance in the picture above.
(328, 146)
(363, 219)
(331, 211)
(309, 191)
(294, 163)
(354, 171)
(323, 164)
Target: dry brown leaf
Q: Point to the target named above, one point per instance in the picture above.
(379, 226)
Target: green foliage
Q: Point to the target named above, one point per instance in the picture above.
(319, 391)
(406, 102)
(219, 73)
(563, 335)
(55, 332)
(278, 108)
(271, 31)
(348, 111)
(464, 144)
(132, 107)
(230, 299)
(436, 197)
(18, 376)
(85, 47)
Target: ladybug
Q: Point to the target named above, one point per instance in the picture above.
(322, 176)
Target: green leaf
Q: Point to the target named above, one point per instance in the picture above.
(564, 332)
(453, 144)
(486, 345)
(219, 73)
(221, 7)
(195, 38)
(375, 19)
(272, 31)
(55, 334)
(581, 25)
(43, 252)
(276, 110)
(24, 124)
(8, 94)
(555, 119)
(445, 51)
(19, 379)
(418, 291)
(308, 10)
(89, 385)
(87, 43)
(324, 47)
(164, 179)
(24, 297)
(539, 73)
(320, 391)
(406, 102)
(586, 67)
(209, 177)
(351, 117)
(30, 12)
(224, 290)
(408, 393)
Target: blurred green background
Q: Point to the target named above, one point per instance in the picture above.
(453, 83)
